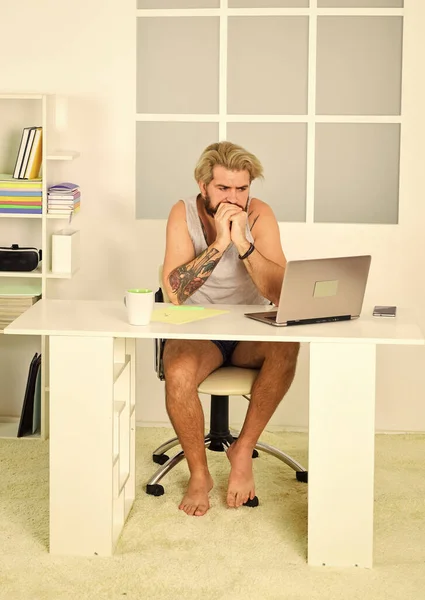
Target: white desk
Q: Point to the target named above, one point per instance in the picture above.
(92, 420)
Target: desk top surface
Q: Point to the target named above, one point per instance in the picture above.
(108, 319)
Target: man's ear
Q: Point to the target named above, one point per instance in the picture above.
(203, 189)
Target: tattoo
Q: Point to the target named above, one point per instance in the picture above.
(187, 279)
(255, 220)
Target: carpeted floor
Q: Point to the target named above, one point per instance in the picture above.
(244, 554)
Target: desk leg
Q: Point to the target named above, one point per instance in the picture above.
(91, 443)
(341, 454)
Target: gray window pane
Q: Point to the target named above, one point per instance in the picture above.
(359, 65)
(360, 3)
(357, 173)
(268, 3)
(282, 150)
(177, 65)
(267, 65)
(178, 3)
(166, 155)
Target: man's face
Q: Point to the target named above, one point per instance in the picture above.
(226, 186)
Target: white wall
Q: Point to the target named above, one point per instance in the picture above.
(85, 51)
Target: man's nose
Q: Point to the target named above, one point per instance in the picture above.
(231, 196)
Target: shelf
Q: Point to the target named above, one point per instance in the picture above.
(22, 274)
(63, 155)
(51, 275)
(119, 407)
(18, 216)
(21, 97)
(66, 217)
(49, 216)
(119, 367)
(9, 430)
(40, 110)
(36, 273)
(124, 477)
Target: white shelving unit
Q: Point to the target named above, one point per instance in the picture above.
(16, 112)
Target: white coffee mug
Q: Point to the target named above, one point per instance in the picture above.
(139, 303)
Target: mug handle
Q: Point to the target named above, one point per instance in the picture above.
(125, 301)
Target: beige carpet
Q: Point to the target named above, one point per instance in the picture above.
(243, 554)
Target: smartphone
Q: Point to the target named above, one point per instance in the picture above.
(384, 311)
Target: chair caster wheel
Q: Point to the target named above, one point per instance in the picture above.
(155, 490)
(160, 459)
(302, 476)
(252, 503)
(255, 454)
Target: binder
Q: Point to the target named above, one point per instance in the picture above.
(36, 418)
(26, 421)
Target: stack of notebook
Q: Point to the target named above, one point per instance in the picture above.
(19, 196)
(63, 198)
(16, 299)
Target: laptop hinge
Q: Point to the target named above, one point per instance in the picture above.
(319, 320)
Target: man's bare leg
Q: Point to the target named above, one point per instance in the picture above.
(186, 364)
(278, 362)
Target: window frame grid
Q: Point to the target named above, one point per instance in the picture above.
(313, 12)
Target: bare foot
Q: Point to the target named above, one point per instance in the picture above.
(196, 502)
(241, 479)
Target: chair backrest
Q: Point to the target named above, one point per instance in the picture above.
(160, 296)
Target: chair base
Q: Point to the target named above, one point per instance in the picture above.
(214, 443)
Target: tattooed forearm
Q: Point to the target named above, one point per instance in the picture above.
(187, 279)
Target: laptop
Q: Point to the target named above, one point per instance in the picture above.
(319, 290)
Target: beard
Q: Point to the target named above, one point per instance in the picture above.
(212, 211)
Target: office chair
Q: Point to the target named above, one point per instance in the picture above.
(222, 383)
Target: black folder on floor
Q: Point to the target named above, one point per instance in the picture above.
(26, 421)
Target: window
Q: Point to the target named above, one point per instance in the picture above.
(313, 88)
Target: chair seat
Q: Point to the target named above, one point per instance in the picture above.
(229, 381)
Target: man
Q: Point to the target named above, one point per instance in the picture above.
(223, 247)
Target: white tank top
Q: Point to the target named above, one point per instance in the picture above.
(230, 282)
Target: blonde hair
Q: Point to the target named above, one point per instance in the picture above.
(230, 156)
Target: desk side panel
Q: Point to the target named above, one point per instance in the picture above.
(81, 445)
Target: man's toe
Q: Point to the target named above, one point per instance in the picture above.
(200, 510)
(231, 499)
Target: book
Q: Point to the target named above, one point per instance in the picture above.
(8, 182)
(20, 200)
(63, 196)
(21, 151)
(63, 211)
(65, 187)
(14, 300)
(34, 161)
(36, 418)
(11, 193)
(20, 289)
(63, 203)
(23, 211)
(27, 152)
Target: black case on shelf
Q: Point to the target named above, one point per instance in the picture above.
(14, 258)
